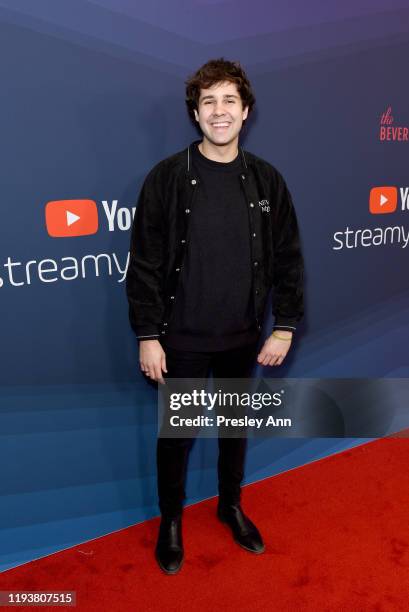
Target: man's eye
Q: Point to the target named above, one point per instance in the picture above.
(210, 102)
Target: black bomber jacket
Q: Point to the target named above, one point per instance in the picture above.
(160, 235)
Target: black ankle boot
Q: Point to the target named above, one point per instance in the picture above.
(245, 533)
(169, 548)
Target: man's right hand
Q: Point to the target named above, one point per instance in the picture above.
(152, 359)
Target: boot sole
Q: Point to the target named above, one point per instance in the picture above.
(255, 552)
(169, 572)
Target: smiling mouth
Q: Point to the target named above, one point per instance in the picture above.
(221, 125)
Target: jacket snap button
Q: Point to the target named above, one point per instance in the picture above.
(254, 235)
(256, 263)
(258, 326)
(164, 324)
(251, 204)
(243, 176)
(177, 269)
(187, 210)
(172, 297)
(162, 332)
(193, 181)
(183, 241)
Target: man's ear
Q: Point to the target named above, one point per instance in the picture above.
(245, 113)
(196, 115)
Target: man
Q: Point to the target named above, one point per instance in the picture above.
(215, 229)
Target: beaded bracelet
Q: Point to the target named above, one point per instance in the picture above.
(281, 337)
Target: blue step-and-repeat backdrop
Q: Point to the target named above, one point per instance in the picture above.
(92, 97)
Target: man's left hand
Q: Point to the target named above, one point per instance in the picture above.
(274, 349)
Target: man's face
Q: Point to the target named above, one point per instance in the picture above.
(220, 113)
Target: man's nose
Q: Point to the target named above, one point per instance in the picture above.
(219, 110)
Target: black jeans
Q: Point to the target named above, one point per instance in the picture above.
(172, 453)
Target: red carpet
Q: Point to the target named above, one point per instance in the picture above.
(336, 534)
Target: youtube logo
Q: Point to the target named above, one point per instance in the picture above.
(383, 200)
(64, 218)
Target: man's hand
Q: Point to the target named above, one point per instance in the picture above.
(274, 349)
(152, 359)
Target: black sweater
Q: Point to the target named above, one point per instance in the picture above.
(213, 307)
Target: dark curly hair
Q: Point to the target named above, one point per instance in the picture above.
(217, 71)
